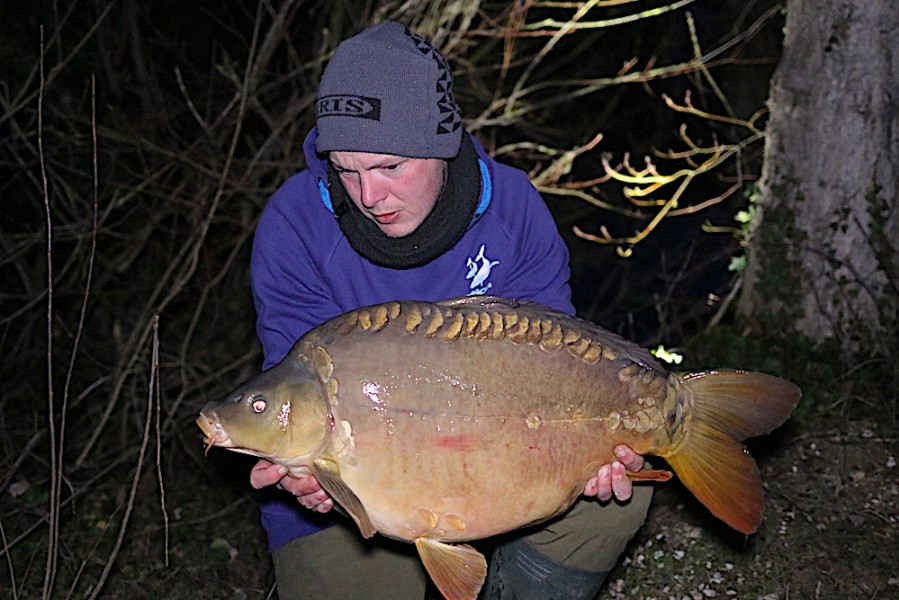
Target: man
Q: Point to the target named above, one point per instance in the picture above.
(399, 202)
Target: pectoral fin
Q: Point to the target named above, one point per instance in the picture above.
(328, 475)
(458, 570)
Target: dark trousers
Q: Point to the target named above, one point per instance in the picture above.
(338, 564)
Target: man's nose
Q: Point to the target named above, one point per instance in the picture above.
(371, 192)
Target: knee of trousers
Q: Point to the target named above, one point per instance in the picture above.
(592, 535)
(518, 571)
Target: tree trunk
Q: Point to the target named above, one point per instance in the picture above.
(823, 261)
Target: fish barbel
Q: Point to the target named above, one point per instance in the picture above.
(440, 423)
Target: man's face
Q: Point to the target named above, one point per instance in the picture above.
(395, 192)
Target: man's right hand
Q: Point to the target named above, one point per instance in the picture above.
(307, 490)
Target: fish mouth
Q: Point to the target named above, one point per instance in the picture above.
(214, 433)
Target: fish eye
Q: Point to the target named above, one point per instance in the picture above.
(258, 405)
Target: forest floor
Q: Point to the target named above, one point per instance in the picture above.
(831, 527)
(831, 531)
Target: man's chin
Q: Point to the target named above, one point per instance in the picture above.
(396, 230)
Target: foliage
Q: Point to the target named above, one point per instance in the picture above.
(833, 390)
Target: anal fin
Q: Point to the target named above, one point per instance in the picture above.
(328, 475)
(650, 475)
(458, 570)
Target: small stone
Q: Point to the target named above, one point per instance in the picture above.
(856, 520)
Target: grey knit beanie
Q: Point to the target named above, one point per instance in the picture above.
(387, 90)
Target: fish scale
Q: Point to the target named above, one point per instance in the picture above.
(441, 423)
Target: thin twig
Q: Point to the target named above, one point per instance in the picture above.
(604, 23)
(55, 468)
(139, 467)
(161, 481)
(10, 567)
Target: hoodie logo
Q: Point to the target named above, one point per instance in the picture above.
(478, 272)
(346, 105)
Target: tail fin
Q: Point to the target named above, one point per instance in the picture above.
(730, 406)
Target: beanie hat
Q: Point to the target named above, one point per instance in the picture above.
(388, 91)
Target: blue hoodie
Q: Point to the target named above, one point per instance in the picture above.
(304, 272)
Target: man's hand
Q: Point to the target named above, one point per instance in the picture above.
(306, 489)
(611, 480)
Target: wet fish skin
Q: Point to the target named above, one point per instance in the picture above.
(438, 423)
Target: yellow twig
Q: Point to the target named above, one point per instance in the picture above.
(568, 26)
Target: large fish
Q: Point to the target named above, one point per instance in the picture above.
(439, 423)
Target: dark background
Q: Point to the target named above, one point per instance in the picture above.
(139, 142)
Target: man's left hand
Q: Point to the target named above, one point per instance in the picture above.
(611, 479)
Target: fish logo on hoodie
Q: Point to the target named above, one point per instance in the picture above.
(478, 272)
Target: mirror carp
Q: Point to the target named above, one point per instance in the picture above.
(442, 423)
